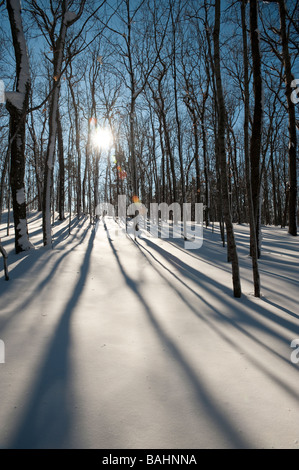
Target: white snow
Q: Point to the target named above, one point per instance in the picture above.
(20, 196)
(69, 16)
(15, 98)
(23, 240)
(116, 344)
(2, 92)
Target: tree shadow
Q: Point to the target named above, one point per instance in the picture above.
(26, 266)
(202, 395)
(284, 309)
(201, 279)
(238, 323)
(47, 420)
(64, 233)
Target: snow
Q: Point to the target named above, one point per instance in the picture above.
(20, 196)
(23, 240)
(116, 344)
(295, 93)
(2, 92)
(69, 16)
(16, 99)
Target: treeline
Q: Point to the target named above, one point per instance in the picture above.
(200, 98)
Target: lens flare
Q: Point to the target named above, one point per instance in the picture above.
(102, 138)
(92, 122)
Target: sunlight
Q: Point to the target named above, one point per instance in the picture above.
(102, 138)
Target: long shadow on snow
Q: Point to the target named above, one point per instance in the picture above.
(63, 233)
(201, 279)
(23, 269)
(214, 247)
(201, 393)
(47, 419)
(210, 321)
(28, 258)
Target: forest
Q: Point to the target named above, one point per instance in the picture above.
(152, 100)
(148, 225)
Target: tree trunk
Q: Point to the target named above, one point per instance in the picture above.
(61, 177)
(49, 164)
(292, 122)
(232, 249)
(78, 149)
(17, 105)
(177, 116)
(2, 183)
(253, 240)
(255, 143)
(4, 254)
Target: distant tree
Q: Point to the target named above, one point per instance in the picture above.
(4, 254)
(54, 23)
(292, 149)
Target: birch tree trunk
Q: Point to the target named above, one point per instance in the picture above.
(58, 60)
(17, 106)
(78, 147)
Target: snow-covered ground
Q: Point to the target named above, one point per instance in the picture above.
(113, 344)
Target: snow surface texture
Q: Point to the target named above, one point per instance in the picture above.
(23, 240)
(116, 344)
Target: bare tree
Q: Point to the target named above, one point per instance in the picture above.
(54, 25)
(292, 149)
(232, 249)
(253, 240)
(256, 136)
(17, 105)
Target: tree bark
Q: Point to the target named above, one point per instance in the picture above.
(253, 241)
(17, 105)
(4, 254)
(292, 122)
(58, 60)
(61, 176)
(255, 143)
(232, 249)
(78, 148)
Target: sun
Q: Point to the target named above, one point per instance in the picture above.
(102, 138)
